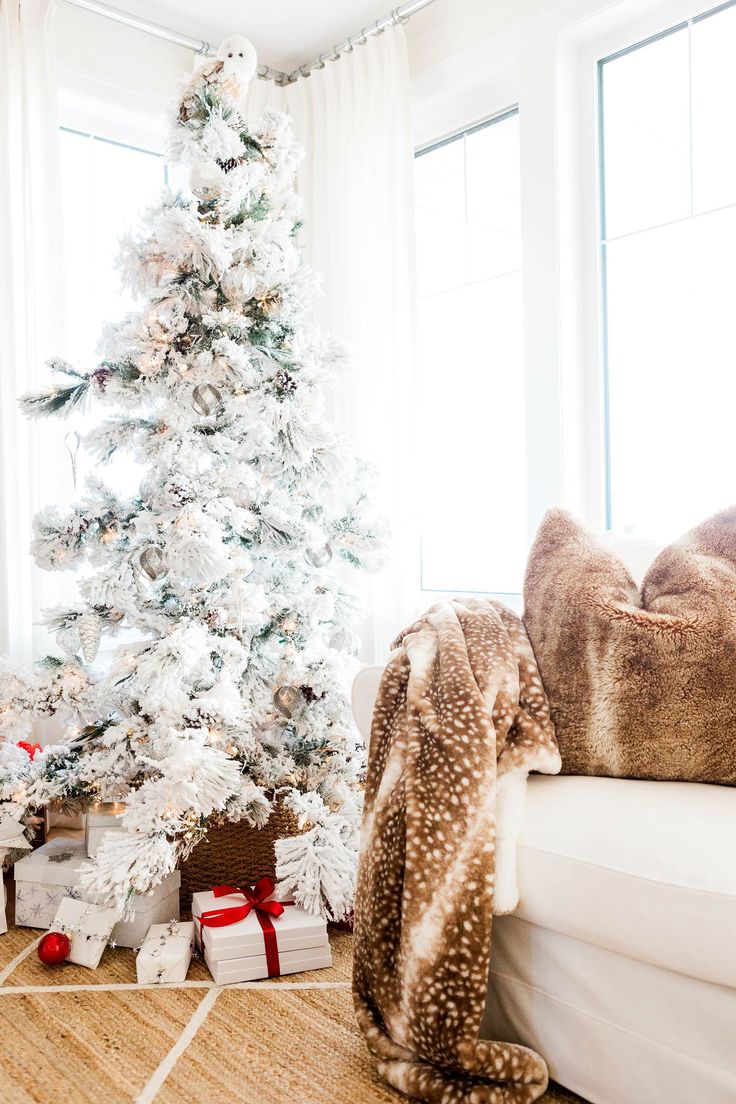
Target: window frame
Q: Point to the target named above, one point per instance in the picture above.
(661, 21)
(676, 26)
(436, 594)
(548, 66)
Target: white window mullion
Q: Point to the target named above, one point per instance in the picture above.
(540, 237)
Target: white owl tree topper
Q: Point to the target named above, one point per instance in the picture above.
(231, 70)
(228, 689)
(238, 56)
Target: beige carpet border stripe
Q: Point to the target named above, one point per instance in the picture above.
(5, 974)
(122, 986)
(156, 1080)
(113, 987)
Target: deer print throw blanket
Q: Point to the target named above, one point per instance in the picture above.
(461, 718)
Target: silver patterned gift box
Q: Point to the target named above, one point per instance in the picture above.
(89, 928)
(166, 953)
(51, 873)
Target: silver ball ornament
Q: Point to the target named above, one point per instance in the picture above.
(151, 563)
(206, 400)
(205, 180)
(345, 641)
(289, 700)
(319, 557)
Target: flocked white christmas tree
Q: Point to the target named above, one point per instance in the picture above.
(233, 691)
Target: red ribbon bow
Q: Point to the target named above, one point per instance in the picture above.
(28, 748)
(256, 900)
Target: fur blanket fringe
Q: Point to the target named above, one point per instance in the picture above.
(460, 720)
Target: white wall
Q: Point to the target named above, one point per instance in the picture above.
(114, 62)
(448, 29)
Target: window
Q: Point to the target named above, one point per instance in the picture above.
(107, 186)
(470, 361)
(668, 237)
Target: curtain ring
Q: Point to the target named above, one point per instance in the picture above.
(363, 38)
(377, 28)
(397, 17)
(336, 55)
(320, 62)
(348, 48)
(305, 70)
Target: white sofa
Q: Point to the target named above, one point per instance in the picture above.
(619, 964)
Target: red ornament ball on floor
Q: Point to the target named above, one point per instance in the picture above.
(53, 948)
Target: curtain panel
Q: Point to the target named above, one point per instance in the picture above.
(31, 299)
(356, 183)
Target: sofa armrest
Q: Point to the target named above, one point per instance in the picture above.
(365, 690)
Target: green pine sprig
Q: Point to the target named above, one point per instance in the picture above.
(57, 400)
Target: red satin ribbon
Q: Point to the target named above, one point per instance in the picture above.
(256, 900)
(30, 749)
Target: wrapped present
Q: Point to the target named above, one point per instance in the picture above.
(62, 823)
(51, 873)
(246, 934)
(89, 928)
(101, 818)
(166, 953)
(157, 907)
(12, 836)
(44, 878)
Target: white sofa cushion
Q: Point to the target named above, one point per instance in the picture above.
(615, 1030)
(645, 869)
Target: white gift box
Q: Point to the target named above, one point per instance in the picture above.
(51, 873)
(89, 928)
(102, 817)
(237, 952)
(166, 953)
(12, 835)
(12, 838)
(254, 966)
(157, 907)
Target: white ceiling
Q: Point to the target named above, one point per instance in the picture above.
(285, 32)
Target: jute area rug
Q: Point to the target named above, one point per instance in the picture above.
(74, 1036)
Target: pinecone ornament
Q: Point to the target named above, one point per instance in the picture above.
(285, 382)
(89, 628)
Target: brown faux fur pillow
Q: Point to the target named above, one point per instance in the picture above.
(641, 683)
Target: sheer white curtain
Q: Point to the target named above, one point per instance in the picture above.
(31, 308)
(353, 118)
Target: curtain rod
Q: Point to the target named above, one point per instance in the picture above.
(265, 72)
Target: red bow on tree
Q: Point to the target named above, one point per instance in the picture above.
(256, 900)
(30, 749)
